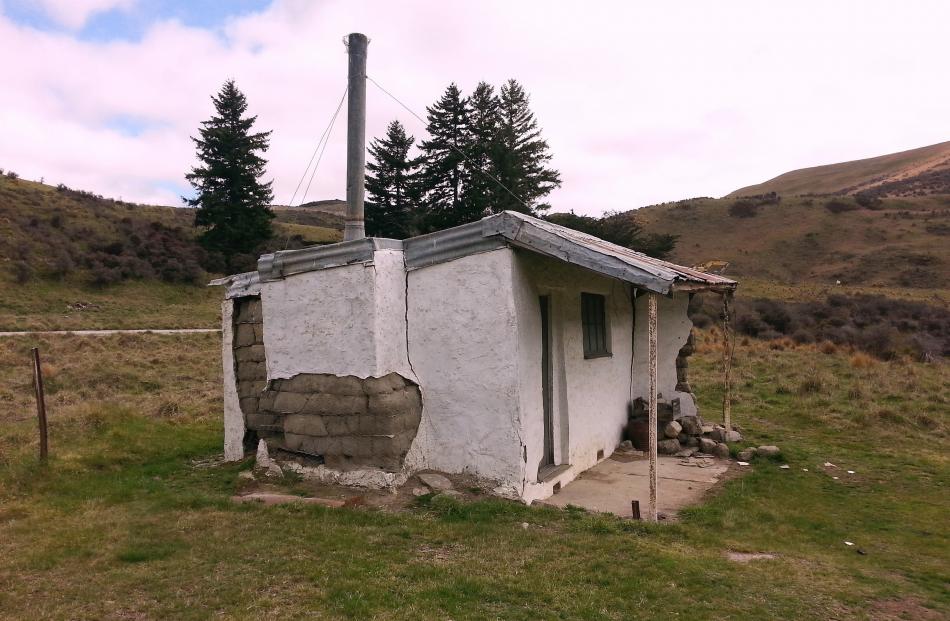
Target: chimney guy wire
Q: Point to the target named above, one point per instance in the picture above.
(317, 148)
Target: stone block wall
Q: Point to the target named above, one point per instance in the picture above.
(682, 364)
(348, 421)
(250, 369)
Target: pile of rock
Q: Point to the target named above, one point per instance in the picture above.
(688, 435)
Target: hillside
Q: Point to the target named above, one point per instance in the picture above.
(917, 172)
(332, 206)
(64, 234)
(895, 242)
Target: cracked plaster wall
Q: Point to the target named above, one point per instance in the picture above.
(463, 346)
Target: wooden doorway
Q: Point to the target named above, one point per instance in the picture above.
(547, 458)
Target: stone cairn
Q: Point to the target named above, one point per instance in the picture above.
(688, 436)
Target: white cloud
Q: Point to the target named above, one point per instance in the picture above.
(74, 14)
(640, 102)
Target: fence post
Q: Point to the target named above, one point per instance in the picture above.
(728, 350)
(40, 403)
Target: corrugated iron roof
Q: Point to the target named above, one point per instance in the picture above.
(559, 242)
(508, 228)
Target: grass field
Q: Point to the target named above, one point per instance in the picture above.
(52, 305)
(818, 292)
(129, 521)
(308, 233)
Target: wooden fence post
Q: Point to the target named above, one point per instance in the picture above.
(651, 332)
(728, 349)
(40, 403)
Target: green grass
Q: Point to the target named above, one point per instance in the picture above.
(123, 523)
(43, 305)
(308, 233)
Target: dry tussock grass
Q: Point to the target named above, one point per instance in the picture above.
(155, 375)
(860, 360)
(843, 389)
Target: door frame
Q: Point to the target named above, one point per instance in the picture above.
(547, 383)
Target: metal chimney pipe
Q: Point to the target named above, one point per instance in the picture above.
(354, 228)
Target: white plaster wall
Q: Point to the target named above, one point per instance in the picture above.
(463, 347)
(390, 282)
(590, 396)
(233, 417)
(673, 327)
(347, 320)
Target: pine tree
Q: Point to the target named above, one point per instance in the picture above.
(523, 155)
(444, 175)
(392, 185)
(480, 194)
(232, 202)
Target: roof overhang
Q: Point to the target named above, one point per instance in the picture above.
(561, 243)
(507, 229)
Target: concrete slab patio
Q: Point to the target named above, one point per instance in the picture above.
(609, 486)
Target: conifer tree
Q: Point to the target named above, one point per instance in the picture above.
(392, 185)
(523, 157)
(232, 202)
(480, 194)
(444, 175)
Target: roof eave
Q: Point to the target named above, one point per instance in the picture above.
(698, 287)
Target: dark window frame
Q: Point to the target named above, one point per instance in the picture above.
(595, 328)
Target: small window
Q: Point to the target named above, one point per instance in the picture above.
(594, 321)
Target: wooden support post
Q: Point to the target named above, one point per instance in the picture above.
(40, 403)
(728, 349)
(651, 331)
(635, 509)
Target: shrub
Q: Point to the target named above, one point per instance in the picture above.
(62, 265)
(12, 175)
(877, 325)
(744, 208)
(750, 325)
(775, 314)
(22, 272)
(837, 205)
(867, 200)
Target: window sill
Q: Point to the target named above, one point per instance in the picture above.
(603, 355)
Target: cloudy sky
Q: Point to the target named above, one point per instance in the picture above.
(641, 101)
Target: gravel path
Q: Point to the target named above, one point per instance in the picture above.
(107, 332)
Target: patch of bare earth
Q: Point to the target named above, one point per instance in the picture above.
(905, 608)
(745, 557)
(464, 487)
(436, 555)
